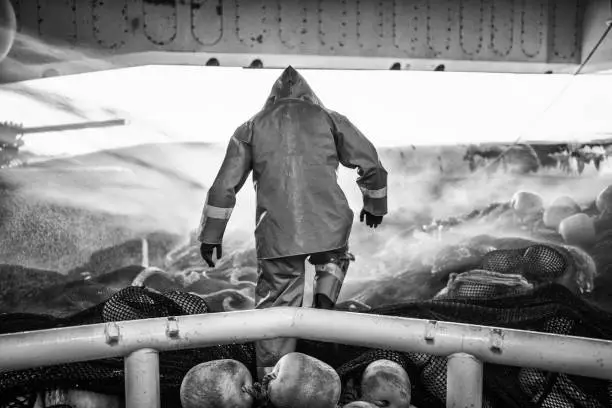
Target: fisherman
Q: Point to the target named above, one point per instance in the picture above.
(294, 146)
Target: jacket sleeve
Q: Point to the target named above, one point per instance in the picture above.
(356, 151)
(221, 197)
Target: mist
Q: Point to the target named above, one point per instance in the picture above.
(163, 188)
(154, 172)
(31, 55)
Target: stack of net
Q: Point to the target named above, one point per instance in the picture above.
(506, 272)
(19, 388)
(547, 307)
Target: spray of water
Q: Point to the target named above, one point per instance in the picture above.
(418, 195)
(163, 186)
(30, 57)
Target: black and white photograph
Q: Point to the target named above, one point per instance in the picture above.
(305, 204)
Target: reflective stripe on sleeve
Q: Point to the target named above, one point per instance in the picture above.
(380, 193)
(220, 213)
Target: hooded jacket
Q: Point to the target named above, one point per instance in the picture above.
(293, 146)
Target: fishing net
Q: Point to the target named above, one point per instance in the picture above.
(19, 388)
(537, 306)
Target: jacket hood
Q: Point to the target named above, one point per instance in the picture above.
(292, 85)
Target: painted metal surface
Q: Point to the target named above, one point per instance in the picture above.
(142, 389)
(509, 31)
(519, 30)
(572, 355)
(597, 18)
(464, 379)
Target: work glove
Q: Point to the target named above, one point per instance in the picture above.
(206, 250)
(371, 220)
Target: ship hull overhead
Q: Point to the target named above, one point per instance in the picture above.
(536, 36)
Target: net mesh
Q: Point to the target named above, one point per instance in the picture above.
(479, 284)
(537, 263)
(547, 307)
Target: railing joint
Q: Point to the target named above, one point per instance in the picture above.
(430, 331)
(112, 333)
(172, 327)
(496, 340)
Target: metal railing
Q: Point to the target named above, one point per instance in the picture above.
(466, 346)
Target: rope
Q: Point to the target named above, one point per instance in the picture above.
(256, 390)
(259, 391)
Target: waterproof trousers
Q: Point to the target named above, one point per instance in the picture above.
(281, 282)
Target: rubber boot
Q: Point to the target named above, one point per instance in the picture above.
(321, 301)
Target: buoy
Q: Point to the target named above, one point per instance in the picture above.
(363, 404)
(76, 398)
(559, 210)
(359, 404)
(386, 383)
(8, 28)
(217, 383)
(302, 381)
(526, 203)
(87, 399)
(604, 200)
(578, 230)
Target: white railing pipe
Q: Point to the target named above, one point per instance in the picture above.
(464, 381)
(142, 389)
(550, 352)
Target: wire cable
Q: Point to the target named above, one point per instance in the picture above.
(558, 97)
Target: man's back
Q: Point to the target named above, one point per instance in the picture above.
(299, 202)
(293, 146)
